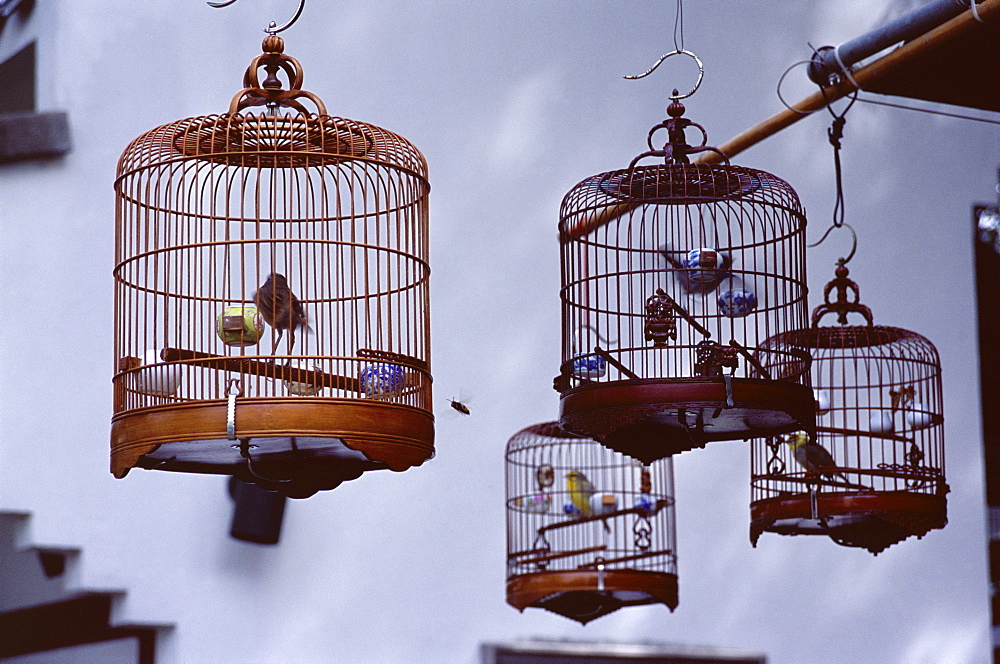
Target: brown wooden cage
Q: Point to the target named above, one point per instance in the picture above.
(672, 276)
(589, 530)
(301, 380)
(873, 473)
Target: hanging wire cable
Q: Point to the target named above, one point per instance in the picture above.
(679, 26)
(928, 110)
(835, 134)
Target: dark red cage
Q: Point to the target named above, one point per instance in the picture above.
(873, 473)
(673, 274)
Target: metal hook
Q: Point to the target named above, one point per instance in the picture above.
(272, 28)
(854, 242)
(680, 51)
(244, 447)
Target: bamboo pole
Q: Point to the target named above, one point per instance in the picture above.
(954, 29)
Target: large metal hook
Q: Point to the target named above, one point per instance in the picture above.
(272, 28)
(854, 242)
(680, 51)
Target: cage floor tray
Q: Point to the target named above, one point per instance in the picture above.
(650, 419)
(872, 521)
(296, 446)
(584, 595)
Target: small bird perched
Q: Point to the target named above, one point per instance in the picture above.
(816, 459)
(580, 490)
(280, 308)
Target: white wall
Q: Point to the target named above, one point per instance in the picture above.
(513, 102)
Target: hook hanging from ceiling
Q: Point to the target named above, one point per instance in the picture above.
(675, 95)
(272, 28)
(678, 50)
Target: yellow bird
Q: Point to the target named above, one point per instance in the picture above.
(816, 459)
(580, 490)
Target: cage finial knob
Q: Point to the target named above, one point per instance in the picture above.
(676, 108)
(273, 44)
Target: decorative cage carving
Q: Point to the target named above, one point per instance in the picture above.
(589, 530)
(873, 474)
(672, 276)
(271, 293)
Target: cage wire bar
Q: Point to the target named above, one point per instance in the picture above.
(589, 530)
(213, 377)
(672, 276)
(873, 474)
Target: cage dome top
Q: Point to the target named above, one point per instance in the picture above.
(284, 134)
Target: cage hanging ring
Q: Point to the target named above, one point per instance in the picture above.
(680, 51)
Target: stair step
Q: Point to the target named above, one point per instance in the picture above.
(82, 619)
(41, 611)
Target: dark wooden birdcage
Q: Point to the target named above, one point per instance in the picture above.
(589, 530)
(673, 274)
(271, 293)
(872, 473)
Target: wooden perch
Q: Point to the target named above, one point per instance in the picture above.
(603, 517)
(750, 358)
(689, 318)
(553, 556)
(625, 559)
(868, 434)
(615, 363)
(267, 369)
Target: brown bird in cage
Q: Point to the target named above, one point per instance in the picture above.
(280, 308)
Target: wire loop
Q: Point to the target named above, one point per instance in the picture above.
(782, 80)
(975, 11)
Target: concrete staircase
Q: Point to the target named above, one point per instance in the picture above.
(45, 617)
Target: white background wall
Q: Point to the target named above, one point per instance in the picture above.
(512, 102)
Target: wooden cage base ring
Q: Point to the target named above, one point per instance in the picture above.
(295, 447)
(872, 521)
(650, 419)
(577, 595)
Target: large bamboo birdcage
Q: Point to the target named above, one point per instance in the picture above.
(673, 274)
(589, 530)
(271, 293)
(873, 472)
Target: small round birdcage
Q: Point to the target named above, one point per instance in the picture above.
(672, 275)
(872, 474)
(271, 293)
(589, 530)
